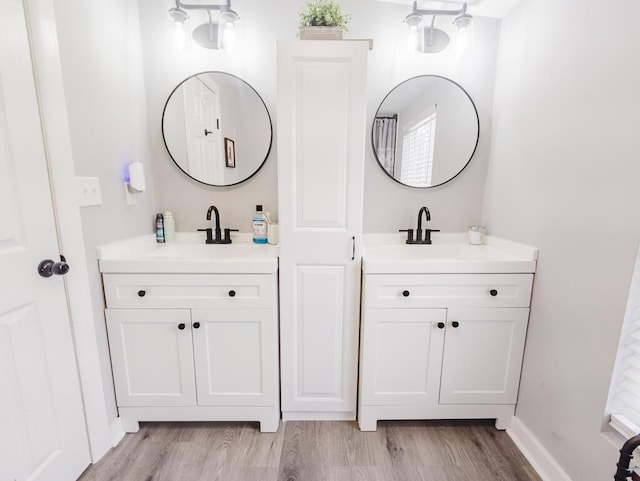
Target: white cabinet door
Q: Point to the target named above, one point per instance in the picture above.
(401, 356)
(483, 355)
(152, 356)
(235, 353)
(321, 139)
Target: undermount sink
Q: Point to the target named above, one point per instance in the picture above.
(189, 254)
(449, 253)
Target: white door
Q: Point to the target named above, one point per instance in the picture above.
(235, 357)
(483, 355)
(202, 125)
(42, 428)
(402, 356)
(321, 139)
(152, 356)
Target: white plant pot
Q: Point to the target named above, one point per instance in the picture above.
(321, 33)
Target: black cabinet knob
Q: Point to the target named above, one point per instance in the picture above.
(441, 325)
(493, 292)
(232, 293)
(142, 293)
(196, 325)
(455, 323)
(406, 293)
(181, 326)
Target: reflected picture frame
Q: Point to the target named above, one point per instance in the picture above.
(229, 153)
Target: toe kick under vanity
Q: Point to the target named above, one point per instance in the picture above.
(443, 329)
(193, 330)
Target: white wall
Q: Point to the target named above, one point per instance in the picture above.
(453, 206)
(102, 71)
(564, 176)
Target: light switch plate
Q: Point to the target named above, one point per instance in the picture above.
(88, 191)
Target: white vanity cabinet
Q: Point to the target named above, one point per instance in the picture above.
(442, 346)
(194, 347)
(321, 142)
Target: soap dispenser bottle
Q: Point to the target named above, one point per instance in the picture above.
(259, 226)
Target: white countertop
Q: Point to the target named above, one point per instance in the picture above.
(382, 254)
(189, 254)
(449, 253)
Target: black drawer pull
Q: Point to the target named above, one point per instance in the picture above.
(493, 292)
(232, 293)
(406, 293)
(441, 325)
(142, 293)
(455, 324)
(181, 326)
(196, 325)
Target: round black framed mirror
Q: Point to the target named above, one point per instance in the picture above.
(425, 131)
(217, 128)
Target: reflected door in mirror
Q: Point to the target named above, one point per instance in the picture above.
(201, 129)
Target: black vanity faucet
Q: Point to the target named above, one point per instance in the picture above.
(218, 234)
(427, 232)
(215, 209)
(428, 218)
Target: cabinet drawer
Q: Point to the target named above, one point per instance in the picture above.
(447, 290)
(193, 291)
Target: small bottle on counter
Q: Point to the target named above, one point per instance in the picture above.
(169, 224)
(259, 222)
(159, 229)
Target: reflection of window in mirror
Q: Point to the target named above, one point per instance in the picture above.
(418, 145)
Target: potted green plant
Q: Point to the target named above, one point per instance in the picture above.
(323, 20)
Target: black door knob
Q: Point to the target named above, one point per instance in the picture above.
(406, 293)
(441, 325)
(142, 293)
(47, 267)
(493, 292)
(455, 323)
(181, 326)
(232, 293)
(196, 325)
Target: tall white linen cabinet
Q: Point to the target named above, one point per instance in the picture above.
(321, 112)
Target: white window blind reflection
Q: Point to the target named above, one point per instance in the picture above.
(624, 401)
(418, 144)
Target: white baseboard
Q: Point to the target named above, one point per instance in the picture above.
(540, 459)
(116, 432)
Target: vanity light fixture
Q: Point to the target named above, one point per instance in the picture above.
(212, 34)
(430, 39)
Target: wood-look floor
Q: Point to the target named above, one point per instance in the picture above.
(315, 451)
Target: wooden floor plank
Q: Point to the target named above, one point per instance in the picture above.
(315, 451)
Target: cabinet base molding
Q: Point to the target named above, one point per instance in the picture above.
(318, 416)
(368, 416)
(116, 431)
(268, 417)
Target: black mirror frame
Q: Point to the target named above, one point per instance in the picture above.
(475, 147)
(164, 140)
